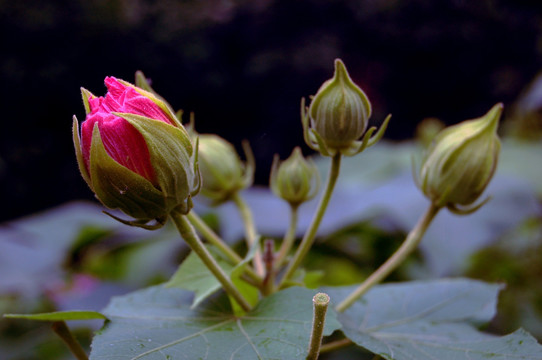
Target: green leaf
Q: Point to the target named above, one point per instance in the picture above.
(157, 323)
(431, 320)
(193, 275)
(59, 316)
(249, 292)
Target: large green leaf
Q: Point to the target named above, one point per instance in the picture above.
(431, 320)
(157, 324)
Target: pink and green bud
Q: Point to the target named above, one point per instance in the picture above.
(461, 162)
(134, 153)
(296, 179)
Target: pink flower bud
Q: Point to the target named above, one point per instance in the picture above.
(121, 140)
(135, 155)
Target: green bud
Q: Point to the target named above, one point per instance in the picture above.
(222, 171)
(296, 179)
(461, 162)
(338, 117)
(340, 110)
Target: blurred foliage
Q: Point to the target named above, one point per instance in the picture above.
(351, 254)
(515, 260)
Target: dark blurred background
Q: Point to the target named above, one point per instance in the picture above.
(243, 66)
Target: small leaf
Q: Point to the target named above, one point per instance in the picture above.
(157, 323)
(59, 316)
(431, 320)
(193, 275)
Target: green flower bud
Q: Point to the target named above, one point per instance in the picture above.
(296, 179)
(222, 171)
(461, 162)
(338, 116)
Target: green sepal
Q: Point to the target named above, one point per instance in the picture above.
(172, 157)
(118, 187)
(249, 168)
(79, 153)
(142, 82)
(159, 222)
(85, 94)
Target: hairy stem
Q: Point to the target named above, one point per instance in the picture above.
(61, 329)
(289, 238)
(250, 231)
(214, 239)
(308, 238)
(192, 239)
(320, 302)
(409, 245)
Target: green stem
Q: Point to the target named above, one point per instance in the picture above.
(289, 238)
(335, 345)
(308, 239)
(214, 239)
(192, 239)
(250, 231)
(62, 330)
(320, 302)
(409, 245)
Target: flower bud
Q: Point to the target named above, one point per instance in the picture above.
(296, 179)
(134, 154)
(461, 162)
(340, 111)
(222, 171)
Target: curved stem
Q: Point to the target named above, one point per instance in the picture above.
(289, 238)
(62, 330)
(309, 236)
(409, 245)
(192, 239)
(214, 239)
(250, 231)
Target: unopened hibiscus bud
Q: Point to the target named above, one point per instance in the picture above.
(296, 179)
(461, 162)
(134, 153)
(222, 171)
(338, 116)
